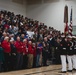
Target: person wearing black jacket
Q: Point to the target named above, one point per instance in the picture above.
(63, 53)
(45, 51)
(70, 53)
(13, 55)
(57, 51)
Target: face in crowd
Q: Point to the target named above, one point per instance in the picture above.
(18, 38)
(30, 42)
(6, 38)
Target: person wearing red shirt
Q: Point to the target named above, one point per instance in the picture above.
(6, 26)
(25, 52)
(19, 48)
(34, 55)
(30, 54)
(7, 53)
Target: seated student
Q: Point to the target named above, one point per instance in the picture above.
(1, 57)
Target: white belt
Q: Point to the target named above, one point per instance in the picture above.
(64, 48)
(70, 48)
(56, 47)
(74, 48)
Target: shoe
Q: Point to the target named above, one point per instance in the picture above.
(62, 72)
(46, 65)
(74, 69)
(69, 70)
(37, 66)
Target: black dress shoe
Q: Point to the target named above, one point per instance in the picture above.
(62, 72)
(46, 65)
(74, 69)
(69, 70)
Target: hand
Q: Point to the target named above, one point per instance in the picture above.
(9, 54)
(14, 54)
(27, 49)
(22, 46)
(23, 53)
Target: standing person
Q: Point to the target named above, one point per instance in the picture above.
(41, 48)
(13, 55)
(7, 53)
(74, 53)
(38, 54)
(70, 54)
(30, 54)
(63, 53)
(19, 48)
(34, 55)
(25, 53)
(45, 51)
(1, 57)
(57, 51)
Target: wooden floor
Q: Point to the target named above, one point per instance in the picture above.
(50, 70)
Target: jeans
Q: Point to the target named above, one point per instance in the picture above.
(19, 61)
(37, 60)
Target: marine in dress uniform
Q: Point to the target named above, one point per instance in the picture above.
(63, 53)
(70, 53)
(74, 53)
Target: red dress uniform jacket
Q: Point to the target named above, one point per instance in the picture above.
(6, 46)
(19, 46)
(30, 49)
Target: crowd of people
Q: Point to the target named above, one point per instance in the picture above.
(25, 43)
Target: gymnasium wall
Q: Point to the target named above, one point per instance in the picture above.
(16, 6)
(51, 12)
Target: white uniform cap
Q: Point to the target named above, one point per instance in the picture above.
(73, 37)
(69, 36)
(62, 36)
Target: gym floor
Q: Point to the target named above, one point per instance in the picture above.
(49, 70)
